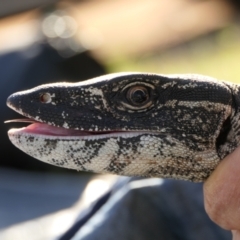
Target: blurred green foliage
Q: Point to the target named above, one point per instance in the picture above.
(216, 55)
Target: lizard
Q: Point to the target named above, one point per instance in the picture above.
(134, 124)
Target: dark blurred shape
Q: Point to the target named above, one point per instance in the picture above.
(235, 3)
(10, 7)
(28, 68)
(29, 195)
(147, 209)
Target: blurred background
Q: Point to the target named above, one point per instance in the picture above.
(51, 40)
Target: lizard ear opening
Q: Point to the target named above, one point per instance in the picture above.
(222, 137)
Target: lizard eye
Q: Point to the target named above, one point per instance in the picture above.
(45, 98)
(138, 95)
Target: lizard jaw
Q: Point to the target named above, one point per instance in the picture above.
(40, 128)
(44, 129)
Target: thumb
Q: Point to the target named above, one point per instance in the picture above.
(222, 193)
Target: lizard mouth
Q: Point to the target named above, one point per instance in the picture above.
(45, 129)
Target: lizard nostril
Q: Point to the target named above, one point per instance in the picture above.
(45, 98)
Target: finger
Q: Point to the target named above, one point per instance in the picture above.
(236, 235)
(222, 192)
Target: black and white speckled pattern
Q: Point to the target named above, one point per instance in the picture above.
(189, 123)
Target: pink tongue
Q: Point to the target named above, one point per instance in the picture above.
(45, 129)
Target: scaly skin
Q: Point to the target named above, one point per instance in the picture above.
(135, 124)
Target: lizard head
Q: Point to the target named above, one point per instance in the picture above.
(169, 125)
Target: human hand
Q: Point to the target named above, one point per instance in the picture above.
(222, 194)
